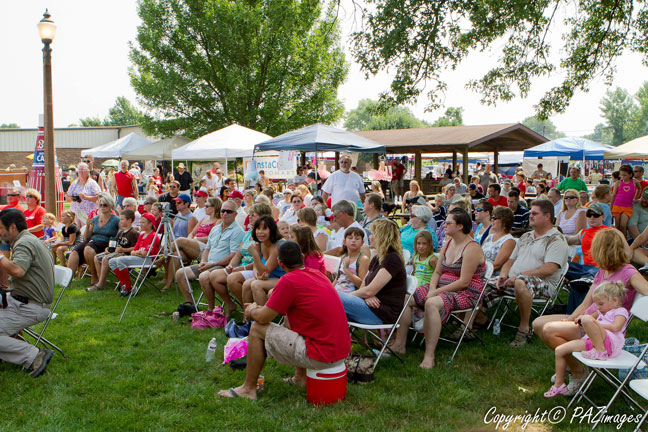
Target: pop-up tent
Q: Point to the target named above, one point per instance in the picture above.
(116, 149)
(575, 148)
(231, 142)
(159, 150)
(635, 149)
(319, 138)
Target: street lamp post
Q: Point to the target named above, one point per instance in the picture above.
(46, 31)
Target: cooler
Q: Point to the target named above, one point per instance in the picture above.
(326, 386)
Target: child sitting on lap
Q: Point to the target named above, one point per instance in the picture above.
(604, 332)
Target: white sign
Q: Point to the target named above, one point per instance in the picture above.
(287, 160)
(270, 164)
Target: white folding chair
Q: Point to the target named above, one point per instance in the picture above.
(640, 386)
(538, 306)
(603, 368)
(406, 255)
(375, 329)
(62, 277)
(455, 314)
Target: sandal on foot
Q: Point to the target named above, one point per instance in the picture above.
(521, 339)
(555, 391)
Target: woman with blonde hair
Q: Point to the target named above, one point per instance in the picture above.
(377, 189)
(572, 217)
(414, 191)
(612, 254)
(380, 298)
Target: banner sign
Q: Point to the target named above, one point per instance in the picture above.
(273, 167)
(37, 173)
(287, 160)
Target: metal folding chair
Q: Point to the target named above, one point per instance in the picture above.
(375, 330)
(62, 277)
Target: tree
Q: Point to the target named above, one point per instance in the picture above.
(602, 134)
(619, 108)
(90, 122)
(273, 65)
(368, 116)
(453, 117)
(545, 128)
(420, 39)
(123, 113)
(9, 126)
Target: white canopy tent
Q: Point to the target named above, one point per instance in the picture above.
(635, 149)
(159, 150)
(116, 149)
(231, 142)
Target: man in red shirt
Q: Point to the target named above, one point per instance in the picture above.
(638, 173)
(125, 184)
(494, 196)
(318, 337)
(398, 174)
(13, 200)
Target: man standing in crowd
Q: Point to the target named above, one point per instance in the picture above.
(520, 214)
(494, 196)
(573, 181)
(223, 242)
(555, 197)
(398, 178)
(31, 292)
(125, 184)
(318, 337)
(344, 184)
(488, 177)
(540, 173)
(638, 174)
(535, 266)
(184, 178)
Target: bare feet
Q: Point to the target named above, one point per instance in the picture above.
(295, 381)
(238, 392)
(427, 364)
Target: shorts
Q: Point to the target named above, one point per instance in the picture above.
(196, 272)
(399, 182)
(535, 285)
(97, 246)
(109, 255)
(247, 274)
(618, 210)
(289, 348)
(607, 343)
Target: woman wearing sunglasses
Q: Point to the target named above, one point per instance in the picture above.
(572, 217)
(99, 231)
(483, 214)
(34, 213)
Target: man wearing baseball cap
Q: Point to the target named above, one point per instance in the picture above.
(474, 192)
(237, 197)
(184, 178)
(183, 223)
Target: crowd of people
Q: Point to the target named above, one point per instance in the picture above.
(263, 251)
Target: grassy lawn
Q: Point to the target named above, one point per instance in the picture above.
(150, 373)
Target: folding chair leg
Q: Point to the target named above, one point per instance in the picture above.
(42, 340)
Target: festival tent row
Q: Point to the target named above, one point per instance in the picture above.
(574, 148)
(115, 149)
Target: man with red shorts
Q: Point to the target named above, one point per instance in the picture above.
(318, 337)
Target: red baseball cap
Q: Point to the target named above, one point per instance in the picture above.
(236, 194)
(149, 217)
(200, 194)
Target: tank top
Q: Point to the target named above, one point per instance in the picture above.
(246, 257)
(491, 248)
(343, 283)
(277, 272)
(568, 226)
(422, 269)
(625, 194)
(203, 230)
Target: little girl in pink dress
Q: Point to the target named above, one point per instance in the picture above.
(604, 332)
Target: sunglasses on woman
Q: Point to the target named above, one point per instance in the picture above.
(570, 197)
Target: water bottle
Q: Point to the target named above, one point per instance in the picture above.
(211, 350)
(496, 327)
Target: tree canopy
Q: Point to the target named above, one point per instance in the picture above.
(453, 117)
(546, 128)
(273, 65)
(368, 116)
(626, 116)
(420, 39)
(121, 114)
(9, 126)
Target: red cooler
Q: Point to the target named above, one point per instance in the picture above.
(326, 386)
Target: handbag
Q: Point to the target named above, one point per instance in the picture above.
(203, 319)
(360, 368)
(237, 330)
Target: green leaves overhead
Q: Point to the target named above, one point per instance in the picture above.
(419, 39)
(273, 66)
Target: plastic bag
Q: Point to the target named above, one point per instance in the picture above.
(235, 348)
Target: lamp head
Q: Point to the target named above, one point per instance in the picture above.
(46, 28)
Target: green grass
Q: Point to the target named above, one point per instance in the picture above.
(150, 373)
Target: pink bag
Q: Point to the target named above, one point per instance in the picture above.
(203, 319)
(235, 349)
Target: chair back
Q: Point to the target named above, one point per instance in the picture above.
(412, 283)
(488, 273)
(406, 256)
(640, 307)
(332, 263)
(62, 275)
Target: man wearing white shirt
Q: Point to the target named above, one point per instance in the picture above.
(344, 184)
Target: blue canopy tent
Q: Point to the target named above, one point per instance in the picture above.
(320, 138)
(575, 148)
